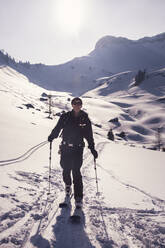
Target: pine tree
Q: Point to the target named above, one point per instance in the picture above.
(140, 77)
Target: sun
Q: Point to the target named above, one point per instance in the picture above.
(70, 15)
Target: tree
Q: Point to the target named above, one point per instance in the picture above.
(111, 135)
(140, 77)
(159, 140)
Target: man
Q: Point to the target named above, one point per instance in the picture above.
(75, 126)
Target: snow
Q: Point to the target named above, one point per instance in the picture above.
(138, 108)
(129, 210)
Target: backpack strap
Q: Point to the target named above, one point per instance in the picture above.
(65, 118)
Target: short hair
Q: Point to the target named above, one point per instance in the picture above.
(76, 100)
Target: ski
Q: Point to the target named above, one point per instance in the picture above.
(63, 205)
(66, 202)
(76, 217)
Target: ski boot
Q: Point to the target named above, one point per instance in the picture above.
(68, 190)
(78, 202)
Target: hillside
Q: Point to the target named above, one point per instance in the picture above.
(129, 209)
(141, 107)
(120, 54)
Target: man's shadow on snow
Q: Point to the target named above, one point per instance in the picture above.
(38, 241)
(68, 234)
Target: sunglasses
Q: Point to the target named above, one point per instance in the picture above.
(77, 103)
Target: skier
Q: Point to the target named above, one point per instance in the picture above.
(75, 126)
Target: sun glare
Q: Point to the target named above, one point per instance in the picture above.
(70, 15)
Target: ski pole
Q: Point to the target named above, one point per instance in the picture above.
(50, 159)
(99, 202)
(96, 177)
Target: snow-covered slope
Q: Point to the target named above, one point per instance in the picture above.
(111, 55)
(119, 54)
(130, 209)
(141, 107)
(155, 43)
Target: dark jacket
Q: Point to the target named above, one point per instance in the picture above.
(74, 129)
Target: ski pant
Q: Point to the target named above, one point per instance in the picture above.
(71, 162)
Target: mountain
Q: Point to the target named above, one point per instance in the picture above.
(121, 54)
(110, 56)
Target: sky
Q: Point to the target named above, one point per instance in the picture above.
(56, 31)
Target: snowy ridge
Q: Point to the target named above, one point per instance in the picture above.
(111, 55)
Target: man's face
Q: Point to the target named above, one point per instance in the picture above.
(76, 107)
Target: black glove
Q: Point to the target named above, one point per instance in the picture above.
(94, 153)
(50, 138)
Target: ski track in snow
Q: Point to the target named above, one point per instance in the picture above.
(155, 200)
(24, 156)
(43, 224)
